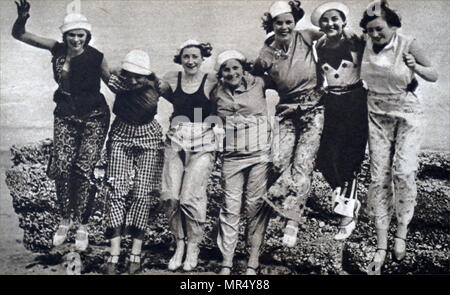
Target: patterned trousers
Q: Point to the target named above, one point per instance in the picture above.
(294, 158)
(236, 172)
(135, 161)
(394, 143)
(77, 147)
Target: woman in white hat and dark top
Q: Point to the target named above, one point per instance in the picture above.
(390, 63)
(81, 117)
(240, 102)
(189, 153)
(287, 57)
(345, 131)
(135, 156)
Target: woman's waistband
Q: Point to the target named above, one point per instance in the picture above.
(344, 89)
(152, 130)
(292, 96)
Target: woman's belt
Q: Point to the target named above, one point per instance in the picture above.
(299, 102)
(344, 89)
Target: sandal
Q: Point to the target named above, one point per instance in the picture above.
(346, 230)
(251, 271)
(290, 234)
(376, 264)
(399, 254)
(111, 265)
(135, 264)
(61, 234)
(191, 257)
(225, 271)
(81, 239)
(176, 260)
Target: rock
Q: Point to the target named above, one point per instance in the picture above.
(34, 200)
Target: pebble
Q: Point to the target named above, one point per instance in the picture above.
(321, 224)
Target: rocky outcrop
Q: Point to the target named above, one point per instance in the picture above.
(34, 200)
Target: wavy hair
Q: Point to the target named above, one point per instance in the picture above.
(390, 16)
(205, 50)
(297, 12)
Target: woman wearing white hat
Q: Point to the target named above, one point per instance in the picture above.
(81, 117)
(389, 65)
(288, 58)
(189, 152)
(345, 132)
(241, 104)
(135, 155)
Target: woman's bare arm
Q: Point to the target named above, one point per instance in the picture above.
(419, 62)
(106, 73)
(19, 32)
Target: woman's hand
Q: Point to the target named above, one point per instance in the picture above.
(19, 32)
(23, 9)
(99, 173)
(410, 61)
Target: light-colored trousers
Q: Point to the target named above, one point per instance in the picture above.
(184, 182)
(394, 144)
(243, 174)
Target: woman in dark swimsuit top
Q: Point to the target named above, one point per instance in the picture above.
(189, 153)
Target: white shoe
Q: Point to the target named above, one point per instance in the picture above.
(225, 271)
(251, 271)
(174, 263)
(290, 234)
(177, 258)
(81, 239)
(345, 231)
(61, 234)
(191, 257)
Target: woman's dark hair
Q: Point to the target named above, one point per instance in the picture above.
(246, 66)
(151, 77)
(205, 50)
(297, 13)
(341, 14)
(389, 15)
(344, 19)
(88, 37)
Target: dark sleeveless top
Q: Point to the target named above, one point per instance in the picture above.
(137, 107)
(184, 104)
(83, 82)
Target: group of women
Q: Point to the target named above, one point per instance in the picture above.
(337, 91)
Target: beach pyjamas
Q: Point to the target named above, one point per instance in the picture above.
(134, 171)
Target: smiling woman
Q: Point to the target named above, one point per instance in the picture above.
(287, 57)
(344, 136)
(81, 117)
(390, 63)
(241, 103)
(189, 152)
